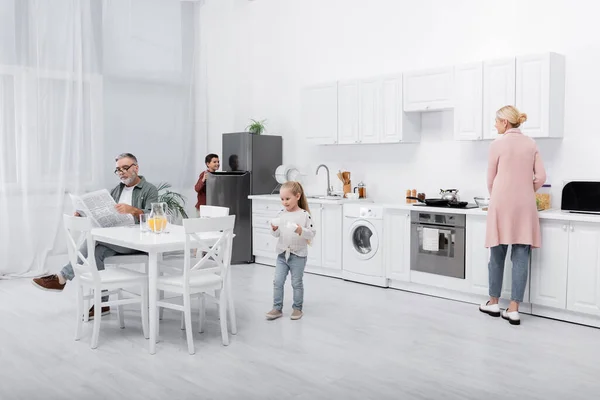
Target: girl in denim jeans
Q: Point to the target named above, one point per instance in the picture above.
(294, 228)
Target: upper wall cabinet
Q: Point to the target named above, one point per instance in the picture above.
(468, 106)
(370, 111)
(347, 113)
(429, 90)
(541, 94)
(386, 109)
(397, 125)
(535, 84)
(369, 115)
(320, 113)
(499, 77)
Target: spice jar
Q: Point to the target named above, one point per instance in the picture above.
(408, 193)
(543, 198)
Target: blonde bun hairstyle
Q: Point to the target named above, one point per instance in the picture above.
(512, 115)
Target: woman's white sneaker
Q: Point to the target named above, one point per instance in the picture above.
(512, 317)
(492, 310)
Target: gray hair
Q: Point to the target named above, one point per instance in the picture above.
(126, 155)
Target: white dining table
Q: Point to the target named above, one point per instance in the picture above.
(153, 244)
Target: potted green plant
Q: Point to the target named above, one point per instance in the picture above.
(256, 127)
(174, 201)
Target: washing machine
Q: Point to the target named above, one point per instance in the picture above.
(363, 236)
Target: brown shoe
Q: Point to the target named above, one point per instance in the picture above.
(105, 311)
(296, 314)
(273, 314)
(49, 283)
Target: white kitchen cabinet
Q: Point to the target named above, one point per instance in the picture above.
(369, 116)
(396, 245)
(315, 252)
(263, 242)
(499, 85)
(429, 90)
(476, 255)
(320, 113)
(549, 265)
(468, 106)
(348, 107)
(331, 236)
(324, 252)
(477, 258)
(540, 93)
(397, 125)
(583, 288)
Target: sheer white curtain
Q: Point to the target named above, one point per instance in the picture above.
(80, 82)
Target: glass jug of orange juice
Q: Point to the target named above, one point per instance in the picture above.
(157, 220)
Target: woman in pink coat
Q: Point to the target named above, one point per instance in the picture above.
(515, 173)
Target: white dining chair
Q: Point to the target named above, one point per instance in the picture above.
(202, 277)
(113, 280)
(172, 261)
(211, 212)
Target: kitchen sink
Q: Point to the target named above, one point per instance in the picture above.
(325, 197)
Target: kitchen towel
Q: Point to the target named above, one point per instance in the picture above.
(430, 239)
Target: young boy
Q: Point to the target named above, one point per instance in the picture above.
(212, 165)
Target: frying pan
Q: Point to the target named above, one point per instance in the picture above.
(440, 202)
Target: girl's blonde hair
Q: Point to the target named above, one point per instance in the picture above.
(297, 189)
(512, 115)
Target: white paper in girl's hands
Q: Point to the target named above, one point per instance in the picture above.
(291, 226)
(275, 221)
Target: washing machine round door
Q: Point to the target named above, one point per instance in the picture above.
(363, 239)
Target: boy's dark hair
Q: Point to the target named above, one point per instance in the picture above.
(210, 157)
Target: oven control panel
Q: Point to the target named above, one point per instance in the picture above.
(438, 218)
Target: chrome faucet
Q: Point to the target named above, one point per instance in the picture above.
(329, 188)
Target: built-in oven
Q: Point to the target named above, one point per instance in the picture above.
(438, 243)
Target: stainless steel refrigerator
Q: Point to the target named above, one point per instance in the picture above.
(248, 163)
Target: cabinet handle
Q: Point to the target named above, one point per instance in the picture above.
(572, 229)
(564, 227)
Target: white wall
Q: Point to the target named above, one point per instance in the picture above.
(264, 51)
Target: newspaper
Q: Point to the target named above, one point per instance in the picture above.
(99, 206)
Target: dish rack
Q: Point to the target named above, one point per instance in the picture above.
(285, 173)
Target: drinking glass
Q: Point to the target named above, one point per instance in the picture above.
(144, 223)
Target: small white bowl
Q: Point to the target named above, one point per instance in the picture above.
(482, 202)
(352, 196)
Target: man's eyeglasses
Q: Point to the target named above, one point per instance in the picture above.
(124, 168)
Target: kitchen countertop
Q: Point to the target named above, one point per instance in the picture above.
(554, 214)
(275, 197)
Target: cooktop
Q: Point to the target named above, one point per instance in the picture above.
(470, 205)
